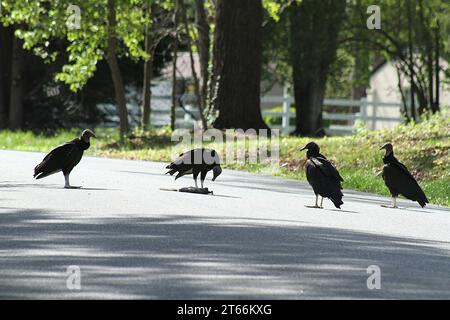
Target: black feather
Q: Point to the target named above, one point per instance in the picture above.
(63, 158)
(323, 176)
(400, 181)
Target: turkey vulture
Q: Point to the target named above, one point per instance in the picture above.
(399, 180)
(195, 162)
(64, 158)
(323, 176)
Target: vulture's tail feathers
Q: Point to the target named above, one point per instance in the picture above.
(337, 200)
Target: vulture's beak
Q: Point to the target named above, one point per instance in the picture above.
(383, 147)
(217, 170)
(304, 148)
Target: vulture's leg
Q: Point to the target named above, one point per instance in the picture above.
(67, 183)
(195, 179)
(202, 177)
(394, 202)
(321, 201)
(317, 202)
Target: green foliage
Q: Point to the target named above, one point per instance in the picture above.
(276, 121)
(39, 23)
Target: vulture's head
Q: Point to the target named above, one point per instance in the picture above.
(388, 147)
(312, 147)
(87, 134)
(217, 170)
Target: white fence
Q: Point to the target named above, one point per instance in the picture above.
(343, 113)
(340, 121)
(344, 106)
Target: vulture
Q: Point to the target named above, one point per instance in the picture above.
(399, 180)
(64, 158)
(322, 176)
(195, 162)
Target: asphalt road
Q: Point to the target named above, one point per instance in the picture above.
(253, 239)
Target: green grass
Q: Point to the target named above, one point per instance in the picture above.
(424, 148)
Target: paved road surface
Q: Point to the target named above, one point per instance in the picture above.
(254, 239)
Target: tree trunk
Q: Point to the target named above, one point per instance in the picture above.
(194, 72)
(411, 62)
(360, 80)
(6, 35)
(402, 94)
(427, 39)
(148, 74)
(174, 65)
(203, 43)
(115, 71)
(358, 88)
(435, 106)
(237, 64)
(16, 111)
(314, 30)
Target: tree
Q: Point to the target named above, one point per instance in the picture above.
(6, 35)
(314, 33)
(116, 76)
(102, 29)
(148, 69)
(410, 38)
(176, 21)
(203, 44)
(197, 91)
(237, 57)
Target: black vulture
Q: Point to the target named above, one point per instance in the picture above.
(64, 158)
(399, 180)
(323, 176)
(195, 162)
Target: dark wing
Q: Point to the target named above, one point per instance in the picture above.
(400, 181)
(326, 167)
(321, 175)
(55, 160)
(402, 168)
(183, 164)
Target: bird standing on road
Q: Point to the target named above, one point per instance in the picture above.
(195, 162)
(399, 180)
(322, 176)
(64, 158)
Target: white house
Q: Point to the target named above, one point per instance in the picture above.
(384, 89)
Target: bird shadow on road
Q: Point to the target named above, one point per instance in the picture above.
(144, 173)
(81, 188)
(342, 210)
(202, 194)
(226, 196)
(329, 209)
(50, 186)
(191, 257)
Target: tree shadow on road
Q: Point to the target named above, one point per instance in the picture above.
(188, 257)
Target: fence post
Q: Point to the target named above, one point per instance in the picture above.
(363, 110)
(374, 114)
(286, 112)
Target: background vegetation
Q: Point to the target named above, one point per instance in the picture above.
(424, 148)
